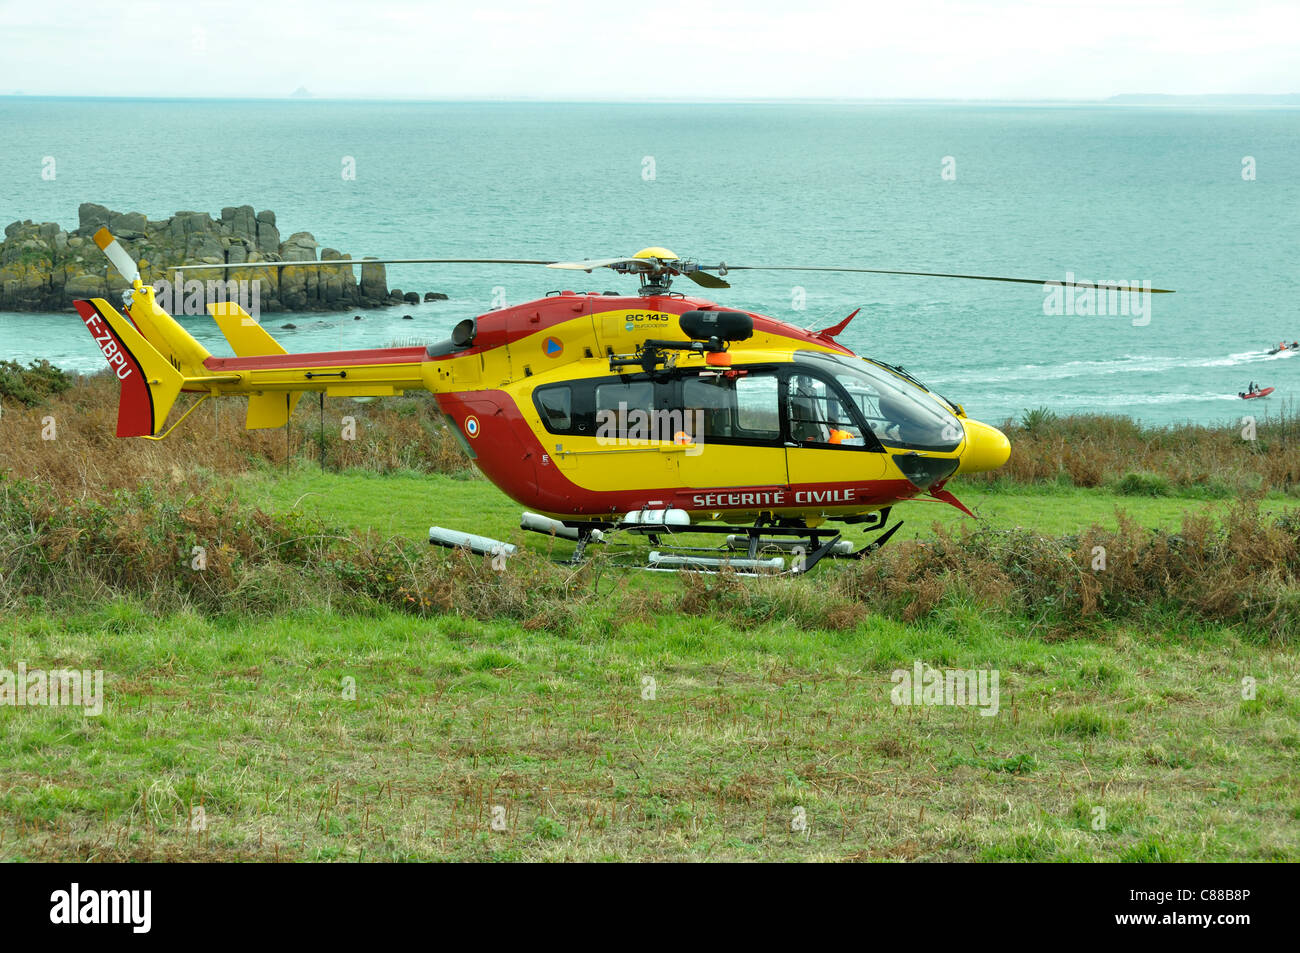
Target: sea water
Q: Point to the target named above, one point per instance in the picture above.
(1039, 191)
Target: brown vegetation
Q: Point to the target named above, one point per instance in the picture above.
(85, 459)
(1093, 450)
(87, 515)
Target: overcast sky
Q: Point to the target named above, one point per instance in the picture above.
(663, 49)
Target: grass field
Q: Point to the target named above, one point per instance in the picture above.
(407, 504)
(369, 735)
(329, 688)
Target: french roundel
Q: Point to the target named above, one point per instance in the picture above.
(471, 426)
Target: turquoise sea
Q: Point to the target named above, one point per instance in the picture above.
(1104, 192)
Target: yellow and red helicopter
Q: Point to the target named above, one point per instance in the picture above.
(656, 413)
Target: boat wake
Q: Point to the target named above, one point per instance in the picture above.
(1129, 364)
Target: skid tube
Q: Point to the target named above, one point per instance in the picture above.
(763, 534)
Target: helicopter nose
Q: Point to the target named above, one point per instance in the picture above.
(987, 448)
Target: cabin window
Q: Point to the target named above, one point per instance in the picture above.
(615, 401)
(734, 408)
(758, 406)
(714, 399)
(556, 407)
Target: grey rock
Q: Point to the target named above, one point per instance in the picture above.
(268, 236)
(374, 284)
(91, 216)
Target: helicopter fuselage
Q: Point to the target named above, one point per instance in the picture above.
(779, 424)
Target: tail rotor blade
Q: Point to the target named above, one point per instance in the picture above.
(118, 255)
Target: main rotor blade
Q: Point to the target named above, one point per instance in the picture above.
(593, 263)
(706, 279)
(923, 274)
(366, 261)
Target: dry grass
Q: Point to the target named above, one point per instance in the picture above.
(1095, 450)
(1241, 570)
(85, 459)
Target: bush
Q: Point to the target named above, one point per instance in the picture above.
(143, 542)
(1142, 484)
(1245, 571)
(31, 385)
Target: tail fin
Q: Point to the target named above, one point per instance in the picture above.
(158, 327)
(150, 384)
(247, 338)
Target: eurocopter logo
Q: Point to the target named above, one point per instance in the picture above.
(640, 428)
(74, 906)
(193, 297)
(56, 688)
(932, 686)
(1100, 298)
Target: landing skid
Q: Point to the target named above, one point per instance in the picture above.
(758, 549)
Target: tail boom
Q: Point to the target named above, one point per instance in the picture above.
(156, 359)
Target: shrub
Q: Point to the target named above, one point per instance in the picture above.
(1142, 484)
(34, 384)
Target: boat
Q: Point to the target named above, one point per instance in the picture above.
(1255, 393)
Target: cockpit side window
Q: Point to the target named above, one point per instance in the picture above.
(818, 413)
(897, 411)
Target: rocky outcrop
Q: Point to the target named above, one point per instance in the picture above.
(43, 268)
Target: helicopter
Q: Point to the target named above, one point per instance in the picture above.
(656, 413)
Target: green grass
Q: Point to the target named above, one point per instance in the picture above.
(407, 505)
(249, 717)
(454, 717)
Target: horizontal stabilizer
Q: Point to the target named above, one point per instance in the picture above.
(247, 338)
